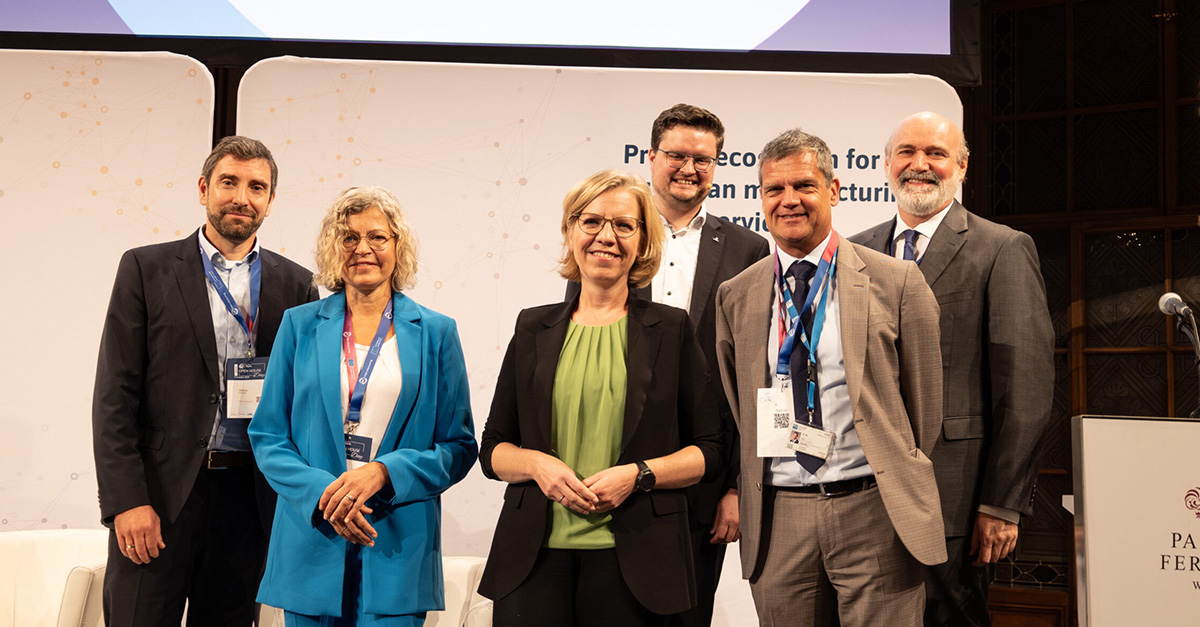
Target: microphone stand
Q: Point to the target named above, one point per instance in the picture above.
(1187, 326)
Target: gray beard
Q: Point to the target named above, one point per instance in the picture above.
(922, 205)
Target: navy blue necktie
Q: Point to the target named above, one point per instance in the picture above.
(910, 245)
(802, 272)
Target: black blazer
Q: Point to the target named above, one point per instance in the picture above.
(157, 375)
(725, 250)
(669, 405)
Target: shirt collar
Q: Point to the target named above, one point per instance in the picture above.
(218, 259)
(813, 256)
(696, 223)
(926, 228)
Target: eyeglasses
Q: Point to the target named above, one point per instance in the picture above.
(376, 240)
(623, 226)
(678, 159)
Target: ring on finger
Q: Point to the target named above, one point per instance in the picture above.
(128, 546)
(351, 497)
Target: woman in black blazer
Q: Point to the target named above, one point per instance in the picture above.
(603, 412)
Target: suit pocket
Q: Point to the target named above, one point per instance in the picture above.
(954, 297)
(963, 427)
(150, 438)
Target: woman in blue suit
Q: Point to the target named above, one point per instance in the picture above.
(360, 436)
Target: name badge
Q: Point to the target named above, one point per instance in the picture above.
(358, 448)
(810, 440)
(775, 418)
(243, 386)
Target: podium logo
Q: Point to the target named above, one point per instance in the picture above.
(1191, 500)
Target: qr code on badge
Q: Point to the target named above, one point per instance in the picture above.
(782, 420)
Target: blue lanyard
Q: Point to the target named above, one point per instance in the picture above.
(827, 266)
(247, 322)
(826, 269)
(359, 380)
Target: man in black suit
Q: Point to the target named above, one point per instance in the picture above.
(997, 356)
(702, 251)
(178, 485)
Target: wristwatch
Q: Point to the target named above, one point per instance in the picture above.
(645, 478)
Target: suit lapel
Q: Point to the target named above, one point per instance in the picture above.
(270, 303)
(410, 342)
(853, 289)
(950, 236)
(193, 287)
(548, 343)
(329, 366)
(879, 237)
(707, 261)
(645, 336)
(751, 332)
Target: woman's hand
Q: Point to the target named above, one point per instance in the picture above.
(612, 486)
(559, 483)
(344, 502)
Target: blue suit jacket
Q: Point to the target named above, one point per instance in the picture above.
(298, 443)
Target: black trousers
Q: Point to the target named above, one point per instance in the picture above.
(956, 593)
(569, 588)
(214, 559)
(708, 559)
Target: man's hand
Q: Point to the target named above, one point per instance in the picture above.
(139, 534)
(725, 520)
(992, 539)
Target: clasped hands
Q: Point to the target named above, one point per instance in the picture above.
(597, 494)
(344, 502)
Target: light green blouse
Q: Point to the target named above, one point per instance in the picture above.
(585, 428)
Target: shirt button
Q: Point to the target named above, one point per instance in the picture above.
(668, 293)
(672, 263)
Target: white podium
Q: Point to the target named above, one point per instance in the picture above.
(1137, 520)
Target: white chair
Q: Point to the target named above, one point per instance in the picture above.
(52, 577)
(464, 606)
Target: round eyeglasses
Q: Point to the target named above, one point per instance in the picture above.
(623, 226)
(678, 159)
(375, 239)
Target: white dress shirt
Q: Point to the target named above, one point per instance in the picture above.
(672, 285)
(925, 231)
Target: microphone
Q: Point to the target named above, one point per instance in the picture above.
(1172, 305)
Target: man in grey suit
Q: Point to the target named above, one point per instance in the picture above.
(829, 355)
(188, 509)
(701, 252)
(997, 350)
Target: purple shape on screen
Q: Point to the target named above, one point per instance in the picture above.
(61, 16)
(884, 26)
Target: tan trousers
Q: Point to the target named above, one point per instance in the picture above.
(835, 557)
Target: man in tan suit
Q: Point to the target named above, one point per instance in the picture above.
(834, 374)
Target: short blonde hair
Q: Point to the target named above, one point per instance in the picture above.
(653, 234)
(331, 256)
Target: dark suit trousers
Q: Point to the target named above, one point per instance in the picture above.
(708, 559)
(214, 559)
(956, 593)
